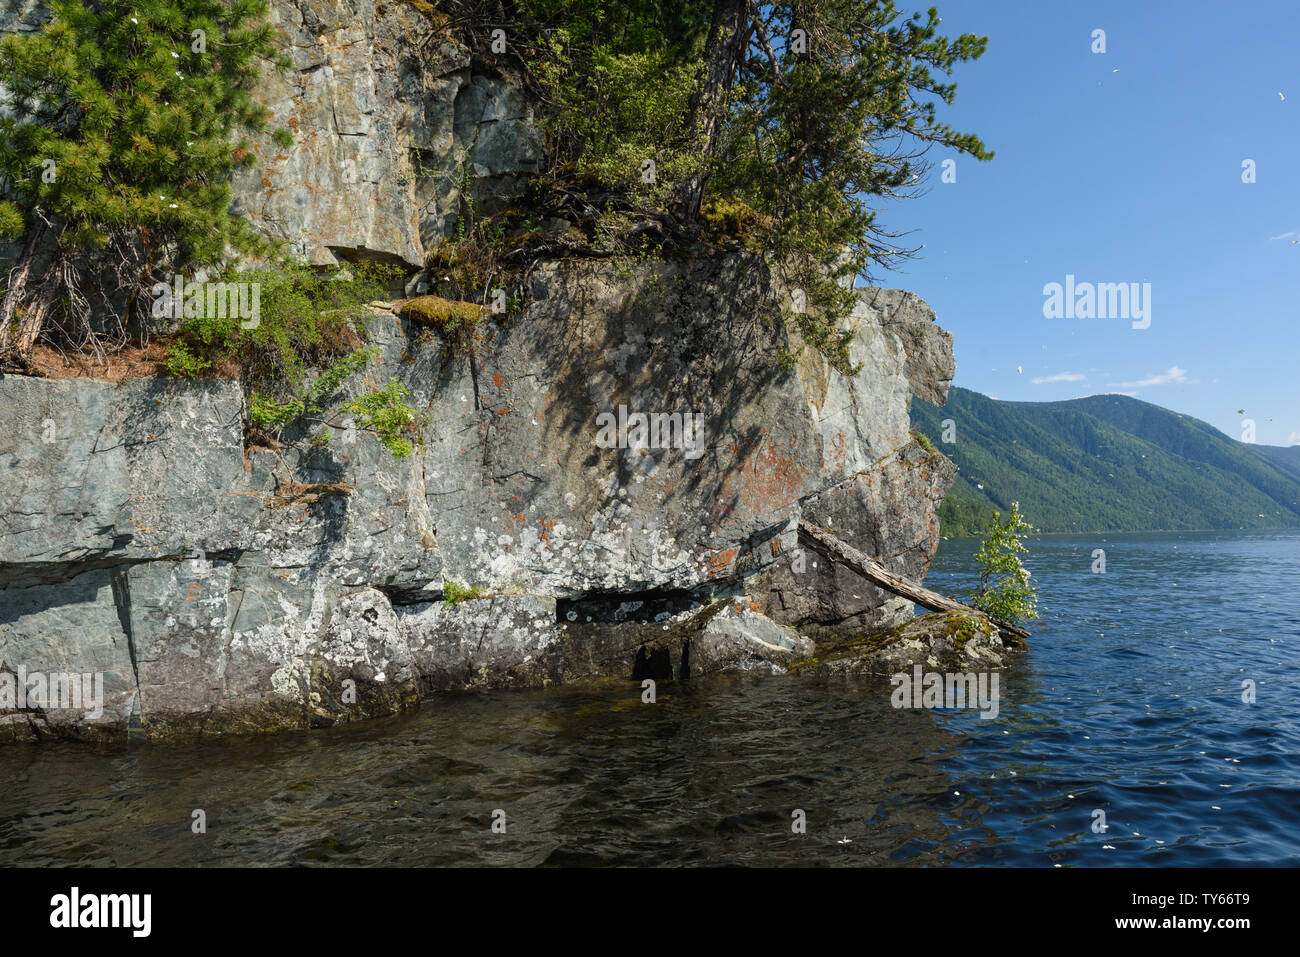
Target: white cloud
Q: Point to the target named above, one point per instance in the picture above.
(1293, 438)
(1174, 375)
(1059, 377)
(1294, 232)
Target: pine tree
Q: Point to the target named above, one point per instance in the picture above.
(1005, 589)
(116, 151)
(798, 119)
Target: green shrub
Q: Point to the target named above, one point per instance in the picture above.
(267, 414)
(183, 364)
(385, 413)
(616, 110)
(306, 321)
(1005, 590)
(304, 347)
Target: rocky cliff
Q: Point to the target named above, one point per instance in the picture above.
(221, 587)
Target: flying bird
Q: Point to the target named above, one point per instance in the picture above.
(1279, 93)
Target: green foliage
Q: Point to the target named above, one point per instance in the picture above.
(385, 413)
(119, 129)
(267, 414)
(807, 143)
(453, 594)
(12, 223)
(302, 351)
(1005, 590)
(306, 321)
(924, 442)
(616, 111)
(183, 364)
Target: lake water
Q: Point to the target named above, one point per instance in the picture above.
(1129, 702)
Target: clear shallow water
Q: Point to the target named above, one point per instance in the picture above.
(1129, 701)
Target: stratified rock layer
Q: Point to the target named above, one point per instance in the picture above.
(218, 588)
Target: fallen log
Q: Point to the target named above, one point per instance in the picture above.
(870, 569)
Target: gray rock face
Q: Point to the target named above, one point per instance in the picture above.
(142, 540)
(740, 638)
(392, 128)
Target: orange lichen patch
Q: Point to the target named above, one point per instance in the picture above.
(837, 455)
(546, 526)
(776, 547)
(769, 474)
(719, 563)
(498, 379)
(503, 411)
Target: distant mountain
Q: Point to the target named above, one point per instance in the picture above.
(1285, 457)
(1105, 463)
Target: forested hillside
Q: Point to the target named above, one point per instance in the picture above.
(1105, 463)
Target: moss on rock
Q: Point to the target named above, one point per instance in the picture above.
(446, 315)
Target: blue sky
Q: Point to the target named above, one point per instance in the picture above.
(1123, 166)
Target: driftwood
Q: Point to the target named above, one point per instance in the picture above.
(876, 573)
